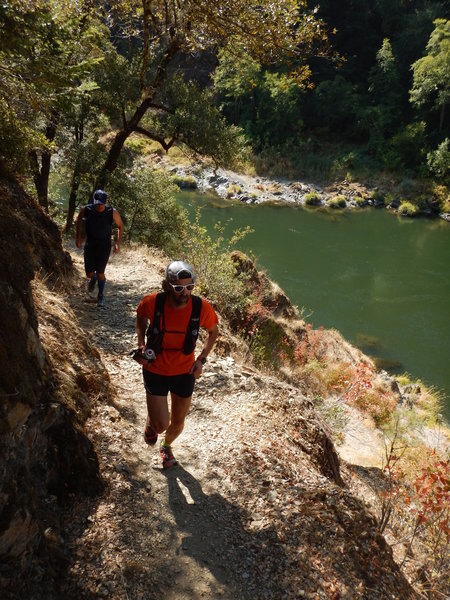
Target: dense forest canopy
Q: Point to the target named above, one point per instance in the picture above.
(366, 82)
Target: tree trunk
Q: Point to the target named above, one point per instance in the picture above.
(113, 157)
(130, 126)
(40, 178)
(72, 200)
(41, 173)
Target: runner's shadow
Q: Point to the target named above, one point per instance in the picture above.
(218, 536)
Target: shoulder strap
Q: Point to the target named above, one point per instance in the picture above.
(193, 326)
(196, 308)
(155, 330)
(159, 311)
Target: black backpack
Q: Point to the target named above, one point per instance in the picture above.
(157, 328)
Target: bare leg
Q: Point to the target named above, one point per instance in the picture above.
(158, 412)
(179, 410)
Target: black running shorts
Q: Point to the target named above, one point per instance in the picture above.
(161, 385)
(96, 257)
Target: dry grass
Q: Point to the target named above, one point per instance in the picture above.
(80, 377)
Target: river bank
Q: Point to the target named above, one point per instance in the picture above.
(343, 195)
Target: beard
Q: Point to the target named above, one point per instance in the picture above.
(180, 299)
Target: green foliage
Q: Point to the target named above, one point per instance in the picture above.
(312, 199)
(63, 63)
(441, 196)
(216, 273)
(360, 201)
(139, 146)
(408, 209)
(377, 197)
(145, 200)
(337, 202)
(233, 190)
(48, 49)
(385, 91)
(17, 138)
(268, 342)
(337, 105)
(197, 122)
(264, 103)
(431, 73)
(117, 78)
(405, 150)
(184, 181)
(438, 161)
(236, 76)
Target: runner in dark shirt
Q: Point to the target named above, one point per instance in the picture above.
(98, 218)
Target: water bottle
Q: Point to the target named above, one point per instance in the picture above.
(149, 354)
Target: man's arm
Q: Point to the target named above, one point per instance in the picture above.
(197, 367)
(78, 239)
(141, 328)
(118, 221)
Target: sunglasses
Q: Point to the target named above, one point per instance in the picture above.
(179, 288)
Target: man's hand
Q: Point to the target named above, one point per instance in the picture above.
(196, 369)
(116, 248)
(138, 356)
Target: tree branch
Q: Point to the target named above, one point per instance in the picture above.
(157, 138)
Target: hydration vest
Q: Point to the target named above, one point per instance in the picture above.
(157, 328)
(98, 224)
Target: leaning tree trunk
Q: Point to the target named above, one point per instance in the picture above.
(120, 139)
(40, 177)
(41, 173)
(72, 200)
(130, 126)
(113, 156)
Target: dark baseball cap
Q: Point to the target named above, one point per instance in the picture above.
(178, 269)
(100, 197)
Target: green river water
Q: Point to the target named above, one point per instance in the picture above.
(382, 281)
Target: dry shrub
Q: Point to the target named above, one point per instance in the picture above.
(379, 406)
(414, 505)
(336, 376)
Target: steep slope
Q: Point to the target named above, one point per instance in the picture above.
(44, 454)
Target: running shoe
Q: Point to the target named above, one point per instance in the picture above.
(150, 436)
(168, 459)
(101, 301)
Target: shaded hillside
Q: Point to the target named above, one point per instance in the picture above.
(45, 391)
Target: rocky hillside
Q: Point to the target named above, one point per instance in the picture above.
(261, 506)
(46, 391)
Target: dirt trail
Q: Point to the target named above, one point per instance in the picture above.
(245, 515)
(156, 532)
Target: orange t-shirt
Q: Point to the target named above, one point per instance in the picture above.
(172, 361)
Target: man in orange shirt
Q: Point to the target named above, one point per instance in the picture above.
(168, 357)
